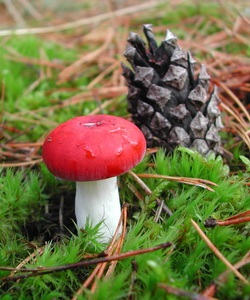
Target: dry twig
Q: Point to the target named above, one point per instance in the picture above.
(236, 219)
(32, 272)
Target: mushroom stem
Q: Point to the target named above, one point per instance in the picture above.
(98, 201)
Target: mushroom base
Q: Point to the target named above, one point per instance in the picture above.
(98, 201)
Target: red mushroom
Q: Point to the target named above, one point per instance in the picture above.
(93, 150)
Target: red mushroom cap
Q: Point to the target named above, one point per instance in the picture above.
(93, 147)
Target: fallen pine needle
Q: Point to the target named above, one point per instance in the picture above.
(113, 248)
(211, 289)
(81, 22)
(182, 293)
(191, 181)
(218, 253)
(21, 164)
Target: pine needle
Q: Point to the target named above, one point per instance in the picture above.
(218, 253)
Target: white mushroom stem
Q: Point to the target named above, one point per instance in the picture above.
(98, 201)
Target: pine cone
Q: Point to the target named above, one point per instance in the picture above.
(167, 102)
